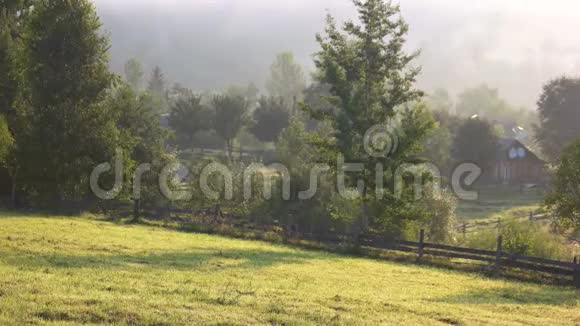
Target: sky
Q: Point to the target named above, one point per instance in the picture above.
(513, 45)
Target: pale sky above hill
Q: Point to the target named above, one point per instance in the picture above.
(513, 45)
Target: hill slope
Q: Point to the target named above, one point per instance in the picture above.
(72, 271)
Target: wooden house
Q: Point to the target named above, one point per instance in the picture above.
(516, 164)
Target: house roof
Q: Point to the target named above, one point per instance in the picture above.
(511, 128)
(507, 144)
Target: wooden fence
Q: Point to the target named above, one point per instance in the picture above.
(497, 259)
(466, 227)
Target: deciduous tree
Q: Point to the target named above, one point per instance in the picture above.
(564, 201)
(286, 80)
(270, 119)
(370, 77)
(142, 138)
(559, 115)
(482, 101)
(188, 117)
(65, 77)
(6, 141)
(134, 73)
(476, 142)
(231, 114)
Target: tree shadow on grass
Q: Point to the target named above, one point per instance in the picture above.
(517, 296)
(171, 260)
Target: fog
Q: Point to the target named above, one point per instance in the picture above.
(512, 45)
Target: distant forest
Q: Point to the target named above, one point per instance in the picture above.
(208, 45)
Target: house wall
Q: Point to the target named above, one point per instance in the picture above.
(518, 171)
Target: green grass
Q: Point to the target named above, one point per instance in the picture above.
(500, 202)
(65, 271)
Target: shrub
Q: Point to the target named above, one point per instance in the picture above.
(440, 209)
(434, 212)
(524, 238)
(564, 201)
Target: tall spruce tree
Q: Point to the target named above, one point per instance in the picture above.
(158, 90)
(65, 77)
(370, 78)
(157, 85)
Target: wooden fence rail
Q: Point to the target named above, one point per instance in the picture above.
(498, 258)
(465, 228)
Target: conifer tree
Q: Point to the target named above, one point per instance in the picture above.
(157, 89)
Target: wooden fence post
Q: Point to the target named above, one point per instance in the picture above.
(168, 213)
(554, 222)
(498, 253)
(217, 214)
(356, 235)
(136, 209)
(577, 272)
(531, 216)
(464, 228)
(421, 244)
(577, 277)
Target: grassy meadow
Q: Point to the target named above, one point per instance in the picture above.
(499, 202)
(68, 271)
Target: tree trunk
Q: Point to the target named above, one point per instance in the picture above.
(231, 151)
(241, 152)
(362, 223)
(136, 211)
(365, 218)
(228, 152)
(14, 204)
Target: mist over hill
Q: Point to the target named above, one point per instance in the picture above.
(209, 44)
